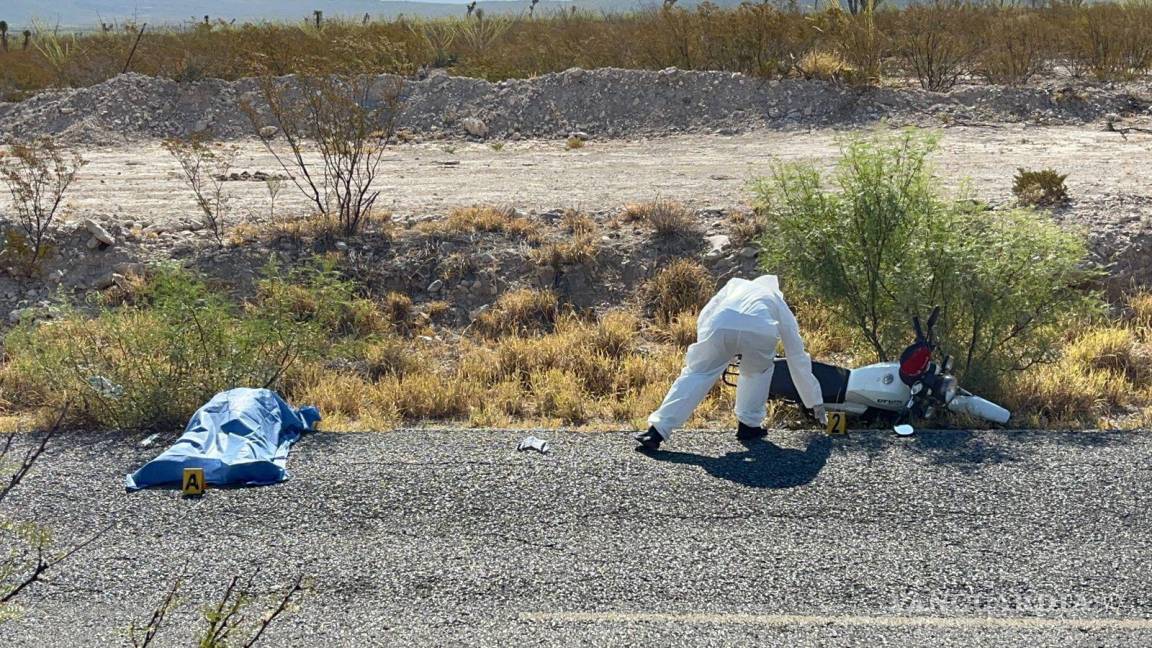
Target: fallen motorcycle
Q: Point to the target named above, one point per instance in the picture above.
(916, 387)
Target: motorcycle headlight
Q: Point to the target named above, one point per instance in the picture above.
(948, 388)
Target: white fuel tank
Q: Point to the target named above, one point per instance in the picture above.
(878, 385)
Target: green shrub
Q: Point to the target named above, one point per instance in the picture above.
(887, 245)
(152, 364)
(1040, 188)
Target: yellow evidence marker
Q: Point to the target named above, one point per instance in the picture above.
(193, 483)
(837, 423)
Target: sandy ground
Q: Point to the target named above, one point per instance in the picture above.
(140, 182)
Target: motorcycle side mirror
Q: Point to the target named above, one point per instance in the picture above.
(916, 327)
(904, 430)
(932, 319)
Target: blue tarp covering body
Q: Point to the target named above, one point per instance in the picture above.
(241, 437)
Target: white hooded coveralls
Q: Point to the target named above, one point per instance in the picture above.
(745, 318)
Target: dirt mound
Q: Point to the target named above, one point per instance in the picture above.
(602, 103)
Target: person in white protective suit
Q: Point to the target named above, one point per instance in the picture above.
(745, 318)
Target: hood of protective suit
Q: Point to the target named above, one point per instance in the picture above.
(768, 282)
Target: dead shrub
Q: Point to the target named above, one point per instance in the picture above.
(1013, 50)
(1043, 188)
(1140, 305)
(1112, 349)
(667, 219)
(933, 52)
(559, 394)
(681, 286)
(38, 176)
(205, 168)
(348, 119)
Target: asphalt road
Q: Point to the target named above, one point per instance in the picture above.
(420, 538)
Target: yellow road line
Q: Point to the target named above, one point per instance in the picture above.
(839, 620)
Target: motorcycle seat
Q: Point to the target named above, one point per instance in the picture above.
(833, 381)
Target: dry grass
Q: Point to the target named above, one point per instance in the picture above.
(745, 227)
(826, 65)
(668, 219)
(580, 250)
(574, 143)
(578, 223)
(1140, 305)
(681, 286)
(518, 312)
(680, 330)
(468, 220)
(1009, 44)
(397, 308)
(527, 361)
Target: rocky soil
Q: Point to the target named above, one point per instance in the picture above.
(602, 103)
(130, 208)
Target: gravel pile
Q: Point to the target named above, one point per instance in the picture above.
(602, 103)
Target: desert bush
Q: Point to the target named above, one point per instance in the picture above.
(1043, 188)
(681, 286)
(152, 364)
(205, 168)
(38, 176)
(668, 219)
(887, 245)
(349, 119)
(1014, 49)
(1109, 40)
(933, 52)
(1112, 41)
(519, 312)
(317, 294)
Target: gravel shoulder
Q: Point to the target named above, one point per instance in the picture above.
(442, 537)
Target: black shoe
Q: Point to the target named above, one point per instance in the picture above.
(649, 440)
(747, 432)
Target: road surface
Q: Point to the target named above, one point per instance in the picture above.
(438, 537)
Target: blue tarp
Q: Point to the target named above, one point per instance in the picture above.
(241, 437)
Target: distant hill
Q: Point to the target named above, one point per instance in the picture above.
(90, 13)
